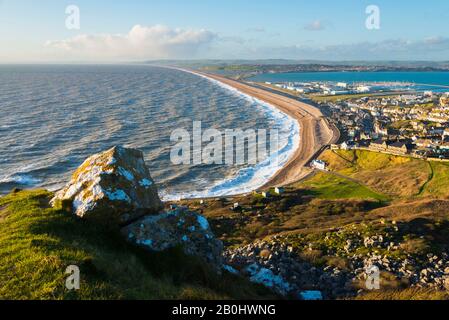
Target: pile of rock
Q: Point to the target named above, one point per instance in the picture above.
(286, 273)
(115, 188)
(385, 251)
(293, 275)
(432, 272)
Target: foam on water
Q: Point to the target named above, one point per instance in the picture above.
(21, 179)
(58, 116)
(251, 178)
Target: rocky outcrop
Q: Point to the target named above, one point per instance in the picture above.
(113, 187)
(278, 267)
(179, 227)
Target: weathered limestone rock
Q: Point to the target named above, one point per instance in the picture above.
(114, 187)
(179, 227)
(266, 277)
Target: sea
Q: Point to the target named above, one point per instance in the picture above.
(415, 81)
(52, 117)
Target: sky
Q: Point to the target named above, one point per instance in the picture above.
(137, 30)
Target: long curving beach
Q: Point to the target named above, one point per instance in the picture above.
(315, 131)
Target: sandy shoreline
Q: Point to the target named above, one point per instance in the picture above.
(315, 131)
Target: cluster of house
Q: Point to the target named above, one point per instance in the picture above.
(415, 124)
(395, 147)
(322, 88)
(276, 191)
(264, 194)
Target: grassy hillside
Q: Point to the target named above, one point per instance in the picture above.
(391, 175)
(37, 243)
(300, 209)
(438, 182)
(366, 194)
(328, 186)
(317, 218)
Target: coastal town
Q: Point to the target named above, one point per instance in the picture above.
(225, 159)
(389, 118)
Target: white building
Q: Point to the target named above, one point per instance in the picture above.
(347, 146)
(279, 190)
(363, 89)
(319, 164)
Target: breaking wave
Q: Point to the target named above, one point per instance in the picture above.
(54, 117)
(251, 178)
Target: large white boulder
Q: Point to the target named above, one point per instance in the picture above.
(114, 187)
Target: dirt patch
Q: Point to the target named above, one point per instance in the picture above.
(44, 203)
(409, 210)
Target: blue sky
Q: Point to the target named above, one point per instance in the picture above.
(118, 30)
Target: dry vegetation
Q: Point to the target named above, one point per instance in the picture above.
(362, 187)
(391, 175)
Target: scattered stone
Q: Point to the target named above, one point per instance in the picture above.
(311, 295)
(283, 263)
(266, 277)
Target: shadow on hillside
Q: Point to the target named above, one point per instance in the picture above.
(434, 232)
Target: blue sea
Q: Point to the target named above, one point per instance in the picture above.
(438, 81)
(53, 117)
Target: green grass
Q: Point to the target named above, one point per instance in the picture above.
(438, 185)
(395, 176)
(344, 97)
(37, 243)
(376, 161)
(328, 186)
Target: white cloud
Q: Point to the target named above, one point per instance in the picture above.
(161, 42)
(316, 25)
(154, 42)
